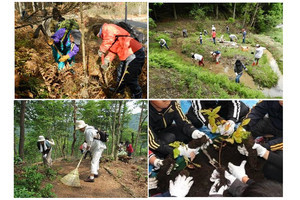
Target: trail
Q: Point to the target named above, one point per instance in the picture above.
(276, 91)
(105, 186)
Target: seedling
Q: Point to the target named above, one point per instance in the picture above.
(213, 118)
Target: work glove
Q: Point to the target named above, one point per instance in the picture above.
(246, 69)
(230, 178)
(45, 156)
(243, 150)
(64, 58)
(213, 190)
(214, 176)
(187, 152)
(198, 134)
(236, 73)
(219, 129)
(181, 186)
(238, 171)
(152, 183)
(100, 53)
(260, 149)
(50, 41)
(158, 163)
(229, 125)
(104, 65)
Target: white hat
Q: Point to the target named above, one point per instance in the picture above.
(257, 45)
(41, 138)
(211, 52)
(80, 124)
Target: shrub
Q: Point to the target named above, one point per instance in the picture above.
(152, 23)
(231, 20)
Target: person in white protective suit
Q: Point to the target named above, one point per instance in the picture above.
(94, 145)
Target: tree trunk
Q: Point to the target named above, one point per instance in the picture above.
(113, 131)
(125, 12)
(245, 15)
(154, 11)
(174, 11)
(140, 127)
(254, 15)
(234, 7)
(82, 41)
(22, 129)
(20, 8)
(217, 11)
(74, 127)
(33, 7)
(118, 131)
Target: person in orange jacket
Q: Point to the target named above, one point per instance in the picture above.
(117, 41)
(213, 35)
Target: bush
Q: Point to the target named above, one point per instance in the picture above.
(231, 20)
(152, 23)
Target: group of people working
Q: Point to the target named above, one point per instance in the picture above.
(168, 123)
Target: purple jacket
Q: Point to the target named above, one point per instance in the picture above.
(58, 35)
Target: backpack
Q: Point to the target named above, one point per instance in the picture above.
(135, 34)
(103, 135)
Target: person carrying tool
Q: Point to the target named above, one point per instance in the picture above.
(129, 148)
(162, 42)
(238, 69)
(184, 33)
(259, 51)
(65, 45)
(94, 145)
(117, 41)
(232, 111)
(233, 38)
(213, 35)
(162, 131)
(216, 55)
(200, 38)
(45, 147)
(198, 58)
(244, 35)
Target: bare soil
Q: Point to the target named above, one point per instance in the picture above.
(124, 183)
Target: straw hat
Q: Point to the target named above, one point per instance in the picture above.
(80, 124)
(41, 138)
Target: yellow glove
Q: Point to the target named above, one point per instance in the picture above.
(64, 58)
(50, 41)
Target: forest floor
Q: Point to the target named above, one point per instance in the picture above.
(126, 179)
(36, 73)
(231, 51)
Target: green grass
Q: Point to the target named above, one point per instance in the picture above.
(202, 83)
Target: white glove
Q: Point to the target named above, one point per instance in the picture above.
(104, 66)
(219, 129)
(214, 176)
(229, 177)
(181, 186)
(238, 171)
(260, 149)
(198, 134)
(213, 190)
(100, 53)
(236, 73)
(186, 151)
(152, 183)
(158, 163)
(246, 69)
(243, 150)
(230, 130)
(45, 156)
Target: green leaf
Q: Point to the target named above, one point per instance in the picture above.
(176, 153)
(216, 110)
(230, 140)
(175, 144)
(245, 122)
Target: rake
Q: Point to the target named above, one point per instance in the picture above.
(72, 178)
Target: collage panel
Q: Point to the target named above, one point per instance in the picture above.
(215, 50)
(81, 50)
(215, 148)
(80, 148)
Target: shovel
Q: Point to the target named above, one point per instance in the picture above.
(72, 178)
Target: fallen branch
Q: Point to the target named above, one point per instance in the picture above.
(116, 179)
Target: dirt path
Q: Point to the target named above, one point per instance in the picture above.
(104, 186)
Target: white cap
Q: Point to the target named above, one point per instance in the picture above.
(41, 138)
(211, 52)
(257, 45)
(80, 124)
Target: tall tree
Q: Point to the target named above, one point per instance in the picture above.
(117, 140)
(234, 7)
(254, 14)
(82, 41)
(217, 11)
(74, 126)
(140, 126)
(174, 11)
(22, 129)
(245, 14)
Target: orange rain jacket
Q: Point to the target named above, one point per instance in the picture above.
(123, 46)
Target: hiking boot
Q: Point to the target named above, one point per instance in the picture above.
(89, 180)
(96, 175)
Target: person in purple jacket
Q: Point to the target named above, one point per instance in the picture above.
(67, 43)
